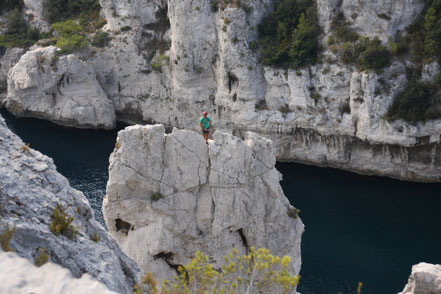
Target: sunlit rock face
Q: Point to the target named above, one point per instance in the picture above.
(169, 195)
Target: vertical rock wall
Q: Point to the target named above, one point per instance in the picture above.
(170, 195)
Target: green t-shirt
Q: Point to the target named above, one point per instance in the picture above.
(205, 122)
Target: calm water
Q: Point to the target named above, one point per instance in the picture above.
(358, 228)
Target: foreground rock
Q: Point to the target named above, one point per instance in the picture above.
(30, 189)
(62, 89)
(19, 275)
(424, 279)
(169, 195)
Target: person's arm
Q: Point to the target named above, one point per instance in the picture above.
(209, 126)
(201, 125)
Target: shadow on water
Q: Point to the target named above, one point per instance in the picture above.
(358, 228)
(82, 156)
(361, 228)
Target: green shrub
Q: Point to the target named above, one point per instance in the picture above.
(62, 223)
(373, 54)
(95, 237)
(5, 238)
(424, 35)
(42, 258)
(159, 61)
(341, 30)
(126, 28)
(18, 33)
(61, 10)
(101, 39)
(288, 37)
(156, 196)
(419, 101)
(6, 5)
(69, 36)
(256, 272)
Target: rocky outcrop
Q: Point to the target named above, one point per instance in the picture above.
(63, 89)
(19, 275)
(424, 279)
(169, 195)
(30, 190)
(8, 58)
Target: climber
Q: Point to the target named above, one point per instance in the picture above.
(205, 123)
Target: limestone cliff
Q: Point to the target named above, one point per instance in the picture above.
(30, 190)
(424, 279)
(169, 60)
(169, 195)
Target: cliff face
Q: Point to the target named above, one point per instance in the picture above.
(170, 195)
(174, 59)
(30, 190)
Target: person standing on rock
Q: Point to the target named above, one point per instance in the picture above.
(205, 123)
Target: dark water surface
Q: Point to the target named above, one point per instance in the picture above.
(358, 228)
(361, 228)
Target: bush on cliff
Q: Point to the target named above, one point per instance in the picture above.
(101, 39)
(18, 33)
(62, 223)
(424, 35)
(61, 10)
(6, 5)
(365, 53)
(256, 272)
(6, 237)
(419, 101)
(288, 37)
(69, 35)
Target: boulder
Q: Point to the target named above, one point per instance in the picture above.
(169, 195)
(30, 190)
(62, 89)
(424, 279)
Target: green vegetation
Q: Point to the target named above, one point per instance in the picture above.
(61, 10)
(7, 5)
(364, 52)
(95, 237)
(288, 37)
(62, 223)
(5, 238)
(42, 258)
(69, 36)
(101, 39)
(159, 61)
(156, 196)
(424, 36)
(256, 272)
(419, 101)
(18, 33)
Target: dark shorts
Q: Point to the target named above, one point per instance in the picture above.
(205, 131)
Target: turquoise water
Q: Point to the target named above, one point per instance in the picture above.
(358, 228)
